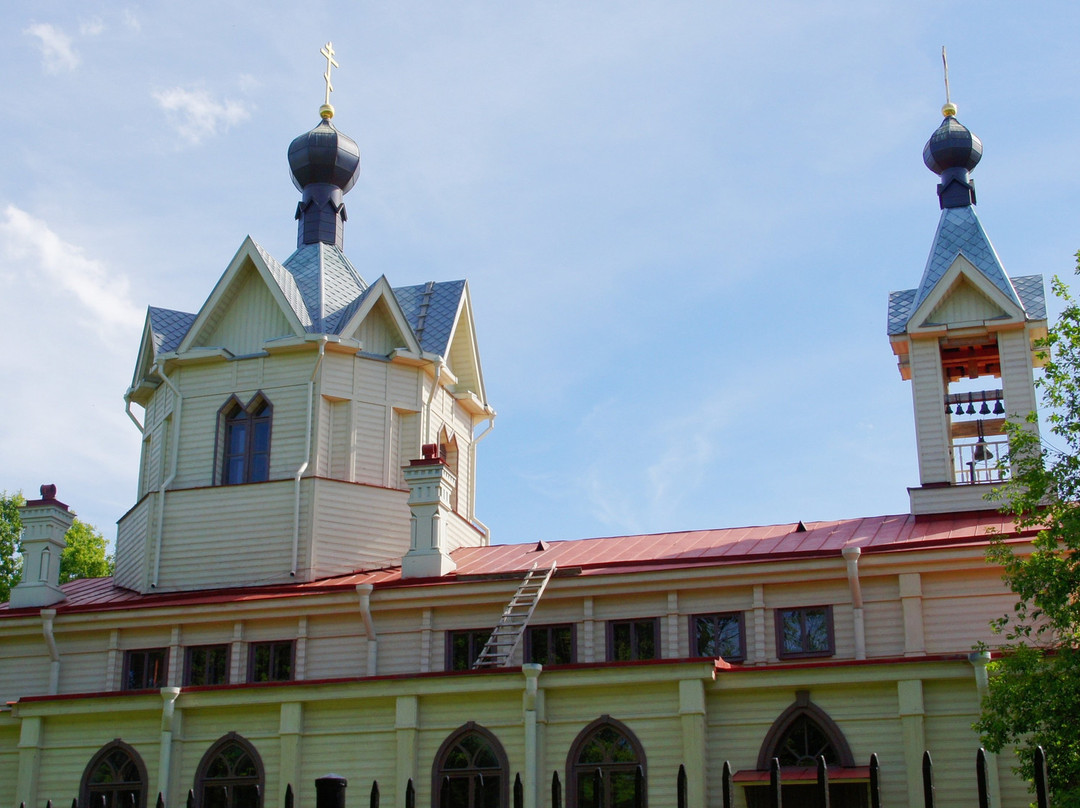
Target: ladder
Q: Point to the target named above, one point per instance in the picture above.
(511, 626)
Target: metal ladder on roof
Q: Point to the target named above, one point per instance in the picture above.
(507, 633)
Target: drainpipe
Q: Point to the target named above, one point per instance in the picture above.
(131, 415)
(168, 714)
(175, 449)
(978, 660)
(531, 670)
(47, 616)
(307, 457)
(363, 591)
(439, 365)
(851, 555)
(472, 470)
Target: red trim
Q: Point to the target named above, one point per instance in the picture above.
(802, 774)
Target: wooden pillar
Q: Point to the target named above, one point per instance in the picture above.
(29, 760)
(291, 724)
(692, 718)
(407, 726)
(913, 731)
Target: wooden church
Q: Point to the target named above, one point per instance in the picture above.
(303, 585)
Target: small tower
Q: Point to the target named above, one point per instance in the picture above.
(45, 521)
(965, 339)
(430, 485)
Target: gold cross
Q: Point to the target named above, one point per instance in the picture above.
(328, 52)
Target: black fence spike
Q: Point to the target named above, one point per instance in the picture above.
(928, 780)
(981, 778)
(519, 792)
(374, 801)
(75, 802)
(289, 795)
(48, 804)
(775, 798)
(556, 791)
(680, 788)
(875, 781)
(1042, 791)
(191, 798)
(444, 792)
(639, 787)
(823, 781)
(410, 795)
(727, 786)
(597, 788)
(160, 801)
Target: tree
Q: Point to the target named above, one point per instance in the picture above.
(10, 528)
(1034, 692)
(83, 557)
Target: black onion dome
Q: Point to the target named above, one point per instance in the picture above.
(324, 155)
(952, 146)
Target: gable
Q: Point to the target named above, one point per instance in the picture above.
(964, 303)
(462, 358)
(378, 332)
(246, 315)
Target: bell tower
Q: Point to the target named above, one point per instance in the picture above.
(964, 338)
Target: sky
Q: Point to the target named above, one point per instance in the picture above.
(680, 222)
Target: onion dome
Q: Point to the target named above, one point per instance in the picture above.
(324, 164)
(951, 152)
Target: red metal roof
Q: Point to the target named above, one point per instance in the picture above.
(741, 545)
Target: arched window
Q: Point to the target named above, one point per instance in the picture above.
(448, 451)
(799, 736)
(471, 771)
(230, 775)
(606, 767)
(114, 778)
(244, 440)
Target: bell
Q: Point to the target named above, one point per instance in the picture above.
(985, 408)
(982, 454)
(970, 407)
(999, 408)
(948, 407)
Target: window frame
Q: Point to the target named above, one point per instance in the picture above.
(740, 619)
(439, 770)
(189, 666)
(87, 790)
(634, 640)
(574, 769)
(258, 410)
(550, 628)
(126, 673)
(805, 652)
(273, 645)
(473, 634)
(229, 783)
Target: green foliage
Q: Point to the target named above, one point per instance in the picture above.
(10, 528)
(84, 556)
(1034, 696)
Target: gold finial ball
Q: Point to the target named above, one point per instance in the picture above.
(949, 110)
(326, 111)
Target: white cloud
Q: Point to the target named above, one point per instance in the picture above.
(56, 48)
(91, 27)
(37, 256)
(197, 115)
(131, 21)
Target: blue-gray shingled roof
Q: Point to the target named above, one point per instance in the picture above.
(327, 282)
(168, 327)
(430, 309)
(287, 283)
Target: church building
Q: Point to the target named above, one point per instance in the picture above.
(303, 584)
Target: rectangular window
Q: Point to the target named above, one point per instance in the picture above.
(719, 635)
(805, 632)
(463, 647)
(145, 668)
(551, 645)
(207, 665)
(271, 661)
(633, 639)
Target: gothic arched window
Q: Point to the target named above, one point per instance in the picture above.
(471, 770)
(606, 767)
(114, 778)
(244, 440)
(230, 775)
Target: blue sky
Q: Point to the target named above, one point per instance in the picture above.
(680, 222)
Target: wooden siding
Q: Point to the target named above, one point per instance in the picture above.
(358, 526)
(964, 304)
(248, 319)
(132, 534)
(378, 334)
(931, 428)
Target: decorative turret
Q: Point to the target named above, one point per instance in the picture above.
(45, 521)
(967, 321)
(325, 164)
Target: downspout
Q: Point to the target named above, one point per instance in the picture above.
(47, 616)
(472, 468)
(363, 591)
(851, 555)
(175, 448)
(131, 415)
(979, 660)
(307, 457)
(439, 364)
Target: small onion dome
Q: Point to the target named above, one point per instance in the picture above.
(952, 145)
(324, 156)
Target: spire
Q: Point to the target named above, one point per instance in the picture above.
(325, 164)
(951, 152)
